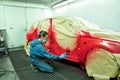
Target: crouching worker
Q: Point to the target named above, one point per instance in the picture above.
(38, 52)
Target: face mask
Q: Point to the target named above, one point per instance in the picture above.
(45, 40)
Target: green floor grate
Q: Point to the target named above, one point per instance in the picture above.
(62, 71)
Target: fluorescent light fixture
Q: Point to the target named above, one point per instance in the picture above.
(70, 0)
(60, 4)
(63, 3)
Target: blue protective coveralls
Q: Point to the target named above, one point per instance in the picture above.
(38, 51)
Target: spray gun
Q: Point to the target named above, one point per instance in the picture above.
(67, 50)
(64, 55)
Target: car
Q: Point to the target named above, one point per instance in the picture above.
(96, 49)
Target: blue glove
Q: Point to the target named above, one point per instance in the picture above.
(64, 55)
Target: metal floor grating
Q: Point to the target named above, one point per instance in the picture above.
(62, 71)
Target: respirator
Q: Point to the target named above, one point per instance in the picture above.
(45, 40)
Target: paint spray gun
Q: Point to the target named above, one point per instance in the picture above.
(67, 50)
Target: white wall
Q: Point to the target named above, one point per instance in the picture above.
(105, 13)
(2, 22)
(15, 25)
(34, 14)
(17, 18)
(48, 13)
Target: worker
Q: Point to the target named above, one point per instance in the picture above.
(38, 52)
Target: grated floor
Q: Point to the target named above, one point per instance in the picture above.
(63, 71)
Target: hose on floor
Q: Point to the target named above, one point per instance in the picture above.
(4, 71)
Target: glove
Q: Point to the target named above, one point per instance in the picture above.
(63, 56)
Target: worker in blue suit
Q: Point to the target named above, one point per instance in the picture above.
(38, 52)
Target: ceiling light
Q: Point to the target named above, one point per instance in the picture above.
(63, 3)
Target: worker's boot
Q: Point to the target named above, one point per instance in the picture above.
(34, 68)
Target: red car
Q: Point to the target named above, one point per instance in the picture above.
(89, 45)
